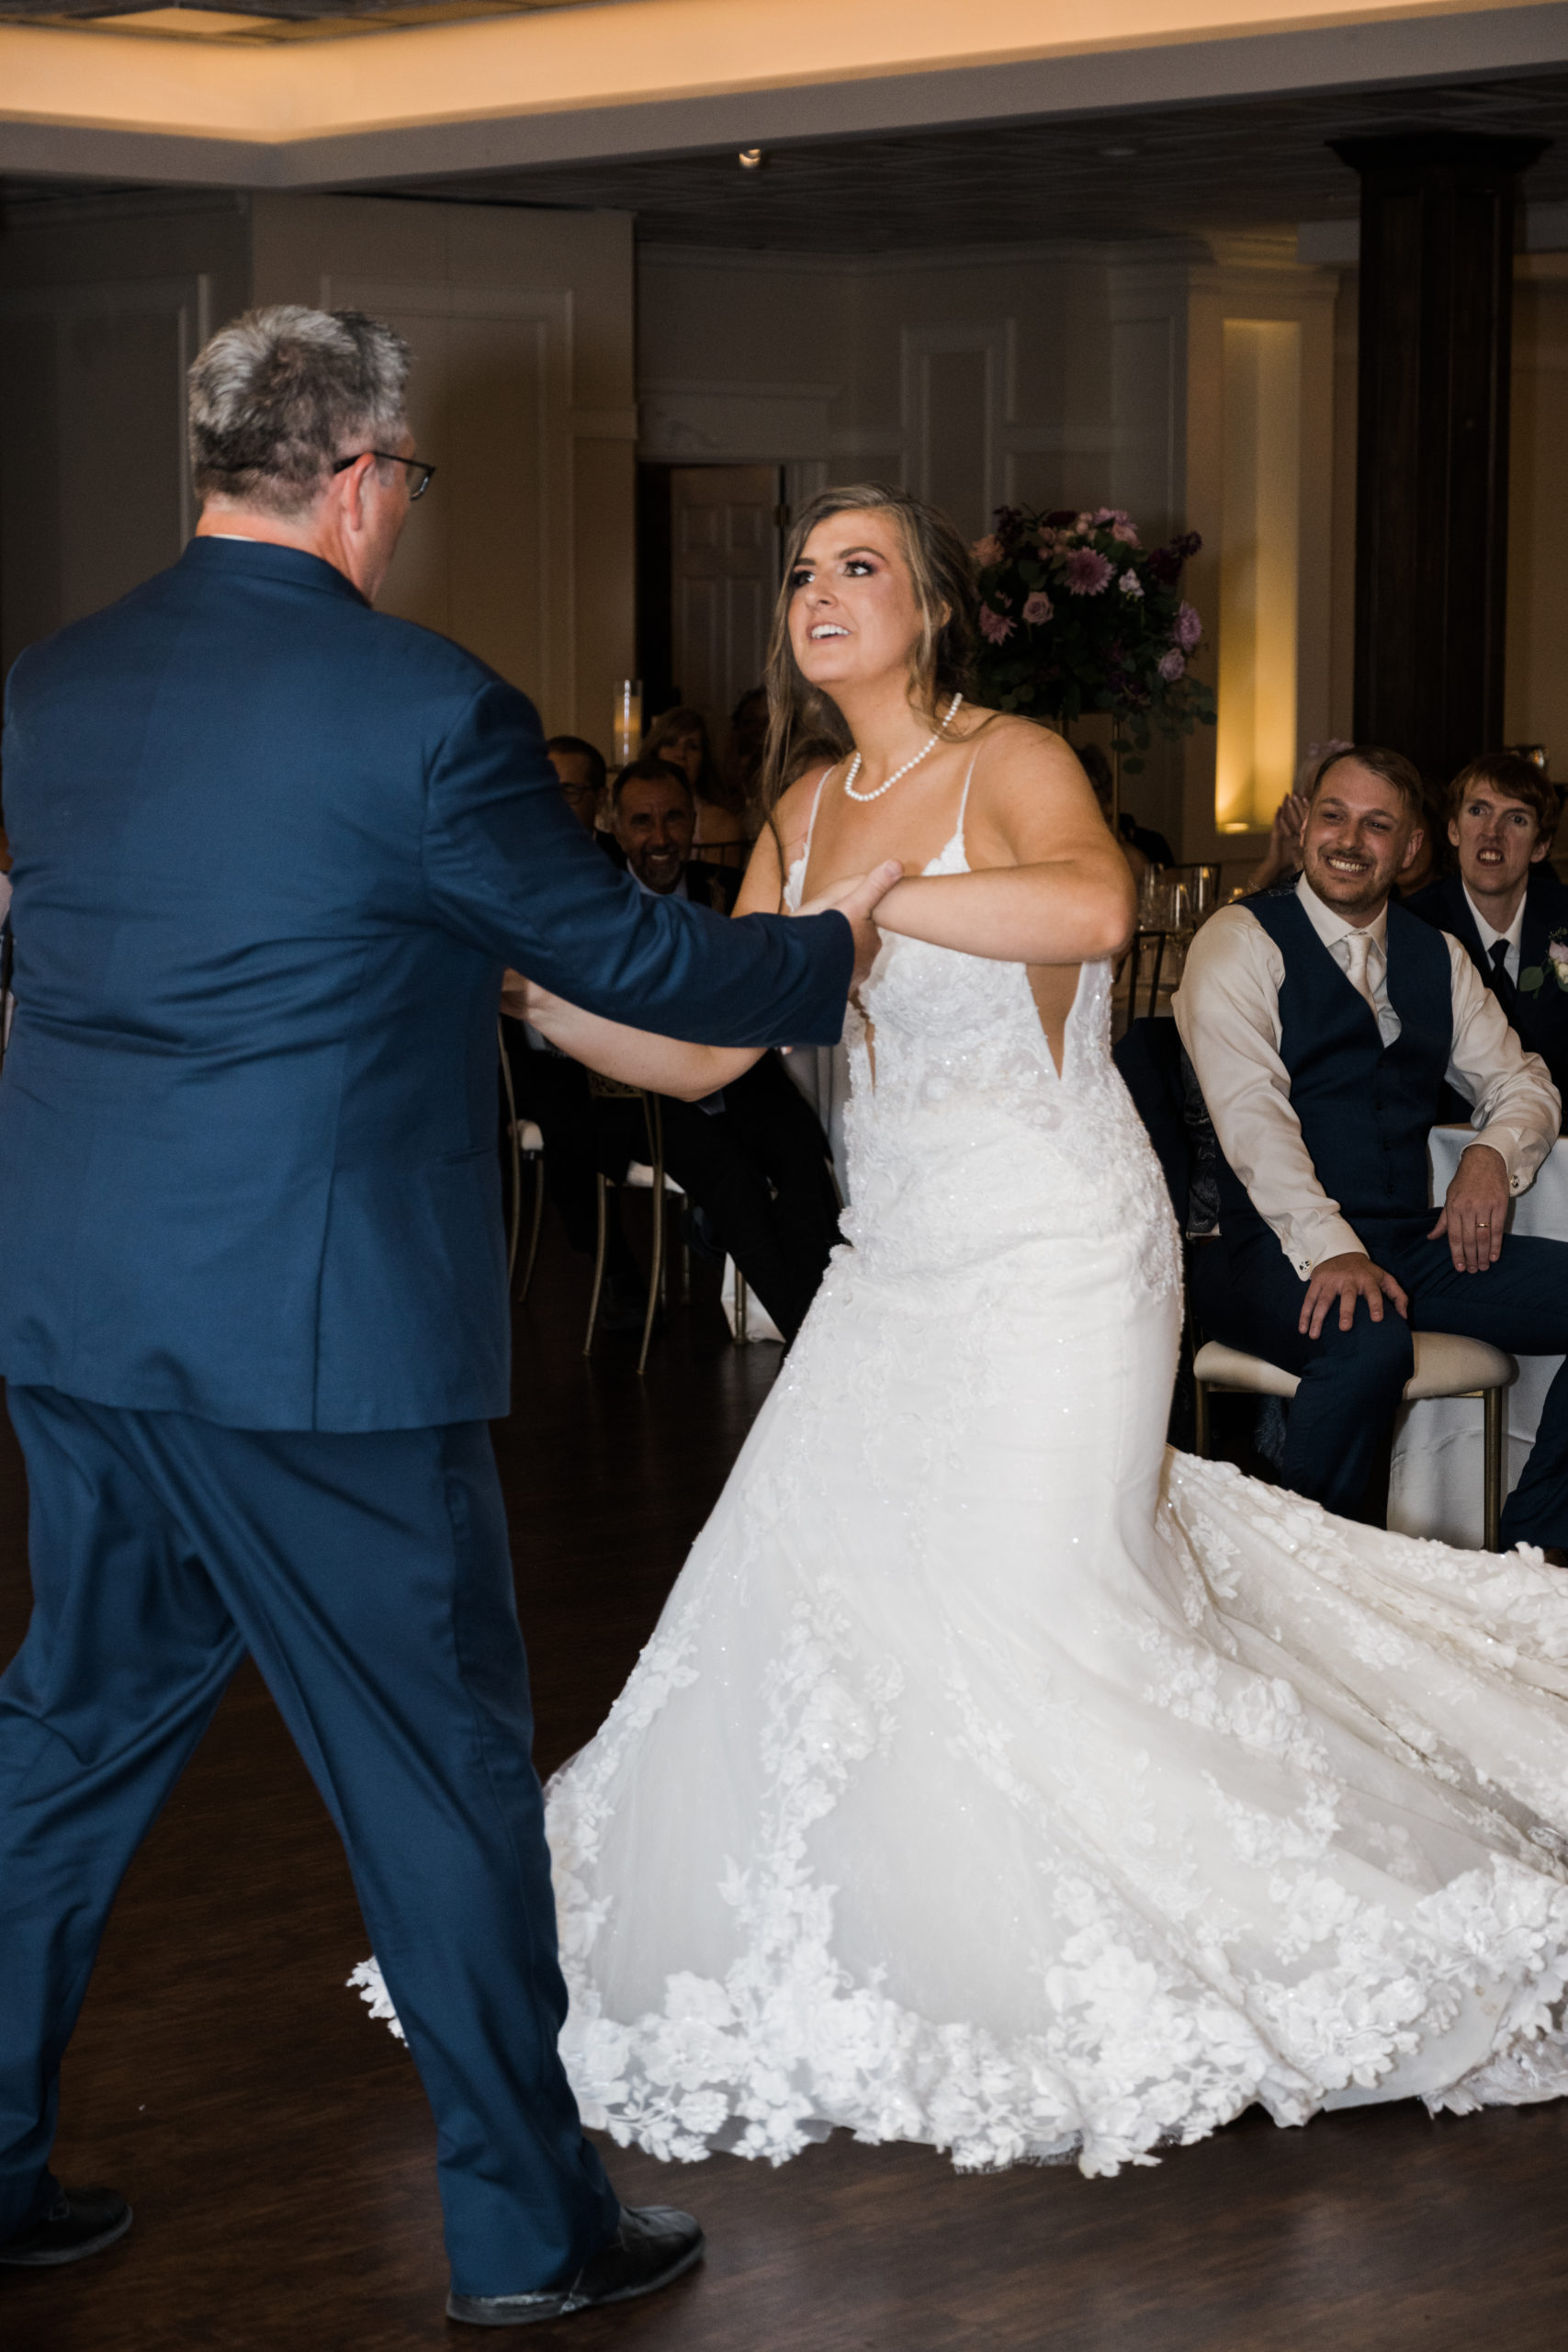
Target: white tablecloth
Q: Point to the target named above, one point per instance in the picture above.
(1436, 1485)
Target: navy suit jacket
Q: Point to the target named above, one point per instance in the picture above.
(1540, 1019)
(273, 850)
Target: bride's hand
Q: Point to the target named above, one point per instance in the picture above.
(524, 999)
(856, 899)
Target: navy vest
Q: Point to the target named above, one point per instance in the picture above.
(1365, 1108)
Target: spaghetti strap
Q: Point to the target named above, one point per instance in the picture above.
(805, 859)
(963, 803)
(816, 803)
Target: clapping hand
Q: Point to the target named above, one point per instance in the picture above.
(855, 898)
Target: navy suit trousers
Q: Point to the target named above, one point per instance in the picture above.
(1247, 1292)
(369, 1577)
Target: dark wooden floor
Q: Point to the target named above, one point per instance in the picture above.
(279, 2155)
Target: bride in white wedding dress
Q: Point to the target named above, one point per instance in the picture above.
(996, 1778)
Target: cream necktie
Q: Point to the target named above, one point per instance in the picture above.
(1358, 947)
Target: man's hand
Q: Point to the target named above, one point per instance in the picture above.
(1347, 1278)
(1473, 1213)
(855, 898)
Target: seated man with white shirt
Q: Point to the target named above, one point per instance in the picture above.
(1324, 1023)
(1505, 906)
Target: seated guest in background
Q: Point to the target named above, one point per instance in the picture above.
(1323, 1022)
(681, 737)
(1505, 906)
(741, 770)
(582, 772)
(754, 1161)
(652, 809)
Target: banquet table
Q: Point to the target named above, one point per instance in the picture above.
(1435, 1484)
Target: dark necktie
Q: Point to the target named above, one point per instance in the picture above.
(1503, 986)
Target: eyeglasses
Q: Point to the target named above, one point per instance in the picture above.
(420, 474)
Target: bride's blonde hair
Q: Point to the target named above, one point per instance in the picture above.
(804, 723)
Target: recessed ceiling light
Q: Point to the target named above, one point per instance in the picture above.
(751, 159)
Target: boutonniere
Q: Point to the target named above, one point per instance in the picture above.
(1532, 980)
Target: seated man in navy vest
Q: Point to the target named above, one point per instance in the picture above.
(1324, 1023)
(1504, 906)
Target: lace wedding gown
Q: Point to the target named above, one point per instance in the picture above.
(996, 1777)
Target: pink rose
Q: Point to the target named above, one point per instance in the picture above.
(994, 626)
(1126, 532)
(988, 552)
(1037, 608)
(1189, 628)
(1086, 573)
(1172, 665)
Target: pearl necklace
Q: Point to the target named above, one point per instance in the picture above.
(892, 780)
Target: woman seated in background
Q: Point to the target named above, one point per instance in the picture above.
(682, 738)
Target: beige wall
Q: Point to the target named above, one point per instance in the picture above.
(1040, 375)
(101, 311)
(1242, 286)
(522, 393)
(522, 327)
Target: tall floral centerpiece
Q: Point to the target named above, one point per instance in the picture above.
(1077, 615)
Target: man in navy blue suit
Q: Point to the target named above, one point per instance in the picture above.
(273, 852)
(1505, 906)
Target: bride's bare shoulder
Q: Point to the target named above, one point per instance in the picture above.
(1010, 742)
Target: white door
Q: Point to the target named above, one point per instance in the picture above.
(725, 553)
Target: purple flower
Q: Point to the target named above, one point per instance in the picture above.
(995, 628)
(1172, 665)
(1165, 566)
(1061, 518)
(1086, 573)
(1189, 628)
(1037, 608)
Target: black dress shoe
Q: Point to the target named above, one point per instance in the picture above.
(80, 2221)
(653, 2245)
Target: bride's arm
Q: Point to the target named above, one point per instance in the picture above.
(1047, 885)
(664, 1065)
(638, 1057)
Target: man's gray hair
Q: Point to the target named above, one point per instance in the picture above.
(279, 394)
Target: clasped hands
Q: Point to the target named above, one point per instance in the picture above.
(1472, 1217)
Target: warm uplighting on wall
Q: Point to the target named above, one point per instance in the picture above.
(1256, 753)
